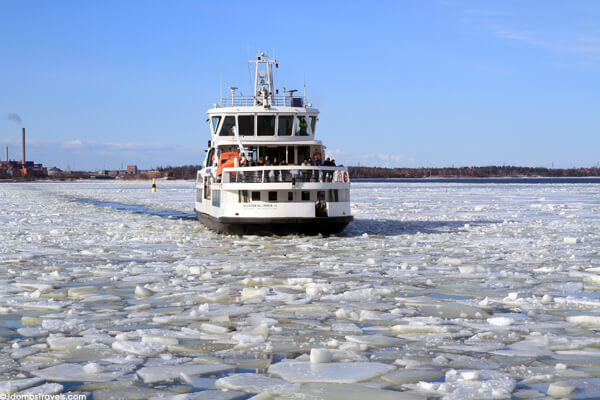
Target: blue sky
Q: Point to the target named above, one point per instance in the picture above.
(399, 83)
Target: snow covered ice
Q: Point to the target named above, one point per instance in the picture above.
(436, 290)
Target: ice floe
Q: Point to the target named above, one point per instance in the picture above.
(336, 372)
(458, 293)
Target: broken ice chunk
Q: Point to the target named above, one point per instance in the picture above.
(375, 340)
(500, 321)
(12, 386)
(256, 383)
(560, 389)
(338, 372)
(333, 391)
(590, 321)
(213, 328)
(482, 384)
(451, 261)
(132, 392)
(64, 343)
(168, 373)
(320, 356)
(254, 295)
(45, 389)
(404, 376)
(142, 292)
(419, 328)
(139, 348)
(32, 332)
(160, 339)
(76, 373)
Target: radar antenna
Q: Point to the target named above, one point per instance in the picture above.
(263, 80)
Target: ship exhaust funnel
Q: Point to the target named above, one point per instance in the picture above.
(23, 155)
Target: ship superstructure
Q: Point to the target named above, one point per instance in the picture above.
(264, 171)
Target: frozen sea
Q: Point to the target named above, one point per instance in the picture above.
(437, 290)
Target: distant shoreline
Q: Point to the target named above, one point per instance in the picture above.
(470, 172)
(357, 173)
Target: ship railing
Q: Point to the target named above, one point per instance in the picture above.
(288, 173)
(278, 101)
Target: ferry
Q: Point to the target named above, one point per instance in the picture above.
(265, 173)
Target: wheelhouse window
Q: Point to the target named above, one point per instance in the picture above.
(266, 125)
(215, 123)
(305, 196)
(285, 125)
(313, 123)
(272, 196)
(246, 125)
(301, 126)
(255, 196)
(228, 126)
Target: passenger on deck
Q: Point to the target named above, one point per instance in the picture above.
(261, 162)
(268, 161)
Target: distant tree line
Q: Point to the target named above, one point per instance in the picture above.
(189, 172)
(492, 171)
(183, 172)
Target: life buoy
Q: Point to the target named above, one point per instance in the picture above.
(345, 177)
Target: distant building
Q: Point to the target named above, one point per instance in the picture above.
(132, 170)
(54, 171)
(153, 173)
(17, 168)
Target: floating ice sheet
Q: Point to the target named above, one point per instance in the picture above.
(337, 372)
(429, 276)
(168, 373)
(255, 383)
(78, 373)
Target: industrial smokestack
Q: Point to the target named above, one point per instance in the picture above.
(23, 160)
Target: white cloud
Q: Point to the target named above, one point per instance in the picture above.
(391, 157)
(72, 144)
(136, 146)
(563, 42)
(379, 159)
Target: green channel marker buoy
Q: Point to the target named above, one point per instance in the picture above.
(153, 185)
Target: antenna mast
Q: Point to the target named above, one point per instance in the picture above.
(263, 80)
